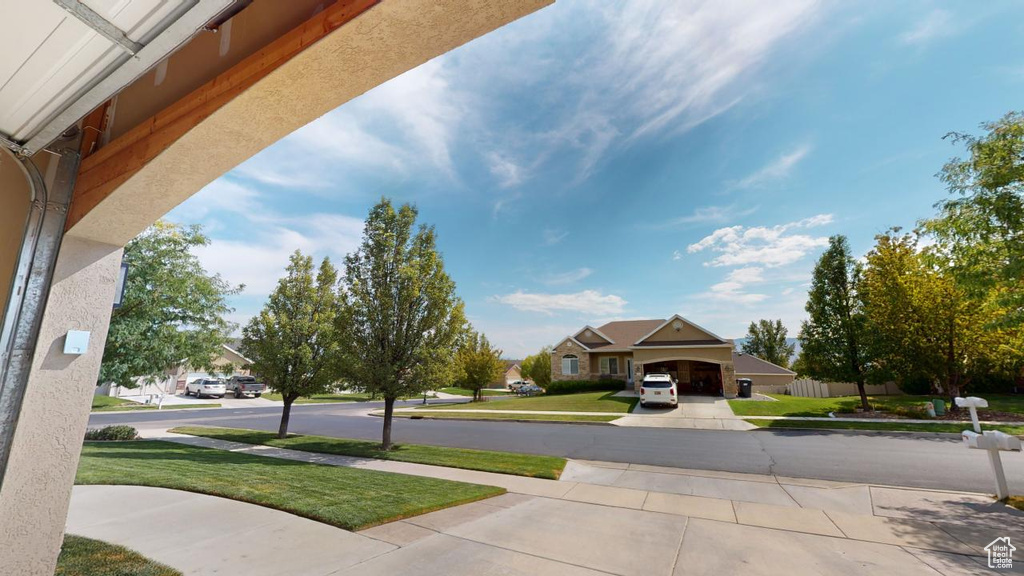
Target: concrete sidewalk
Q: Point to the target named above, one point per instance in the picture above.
(608, 518)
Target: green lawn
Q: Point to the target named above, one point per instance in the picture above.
(111, 404)
(1016, 501)
(466, 392)
(87, 557)
(582, 402)
(348, 498)
(500, 416)
(318, 398)
(487, 461)
(896, 425)
(795, 406)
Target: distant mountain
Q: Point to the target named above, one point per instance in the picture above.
(738, 342)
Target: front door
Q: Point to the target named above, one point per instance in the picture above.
(629, 370)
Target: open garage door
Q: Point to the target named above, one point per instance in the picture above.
(693, 376)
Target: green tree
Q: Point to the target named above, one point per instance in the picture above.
(832, 339)
(979, 231)
(293, 342)
(922, 325)
(537, 367)
(766, 339)
(172, 310)
(479, 364)
(402, 321)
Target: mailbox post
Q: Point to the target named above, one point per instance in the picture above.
(991, 441)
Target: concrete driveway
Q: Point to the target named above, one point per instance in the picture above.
(692, 412)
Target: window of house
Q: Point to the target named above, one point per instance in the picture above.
(570, 365)
(609, 365)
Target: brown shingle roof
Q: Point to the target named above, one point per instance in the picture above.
(682, 343)
(625, 332)
(747, 364)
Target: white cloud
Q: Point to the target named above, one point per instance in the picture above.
(590, 302)
(505, 170)
(768, 247)
(552, 236)
(936, 24)
(568, 277)
(733, 288)
(677, 255)
(776, 169)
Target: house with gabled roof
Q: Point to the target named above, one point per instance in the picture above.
(699, 360)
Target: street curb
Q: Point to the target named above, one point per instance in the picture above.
(499, 420)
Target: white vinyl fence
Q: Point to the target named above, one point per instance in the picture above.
(808, 388)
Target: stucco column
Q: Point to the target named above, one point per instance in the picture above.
(48, 438)
(729, 387)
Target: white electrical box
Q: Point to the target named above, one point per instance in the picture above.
(76, 342)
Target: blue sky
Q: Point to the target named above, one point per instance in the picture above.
(593, 162)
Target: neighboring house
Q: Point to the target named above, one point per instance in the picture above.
(701, 361)
(765, 376)
(229, 363)
(512, 373)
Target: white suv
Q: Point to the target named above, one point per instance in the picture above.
(206, 387)
(658, 389)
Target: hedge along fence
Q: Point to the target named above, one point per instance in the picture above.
(573, 386)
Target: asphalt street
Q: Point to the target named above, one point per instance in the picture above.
(937, 461)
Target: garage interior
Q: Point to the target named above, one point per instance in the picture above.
(693, 376)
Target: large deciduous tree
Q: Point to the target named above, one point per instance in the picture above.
(832, 338)
(922, 325)
(293, 341)
(479, 364)
(766, 339)
(980, 229)
(172, 311)
(402, 321)
(537, 367)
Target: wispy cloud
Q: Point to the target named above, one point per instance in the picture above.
(936, 24)
(767, 246)
(590, 302)
(551, 236)
(733, 288)
(567, 277)
(709, 215)
(777, 169)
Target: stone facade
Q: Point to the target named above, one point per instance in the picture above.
(729, 387)
(566, 348)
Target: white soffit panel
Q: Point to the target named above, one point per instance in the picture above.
(53, 65)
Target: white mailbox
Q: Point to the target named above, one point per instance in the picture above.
(1003, 441)
(975, 440)
(971, 401)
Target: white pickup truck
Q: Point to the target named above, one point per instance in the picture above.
(243, 385)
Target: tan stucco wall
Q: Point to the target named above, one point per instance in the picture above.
(768, 380)
(707, 354)
(385, 41)
(14, 205)
(48, 439)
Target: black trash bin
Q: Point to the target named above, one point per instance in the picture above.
(745, 385)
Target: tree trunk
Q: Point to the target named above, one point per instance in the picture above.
(863, 395)
(389, 412)
(282, 430)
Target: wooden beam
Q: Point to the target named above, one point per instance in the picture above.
(110, 166)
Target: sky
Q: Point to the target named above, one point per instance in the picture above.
(605, 161)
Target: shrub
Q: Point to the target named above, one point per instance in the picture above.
(112, 433)
(574, 386)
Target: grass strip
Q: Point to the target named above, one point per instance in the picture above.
(581, 402)
(349, 498)
(485, 460)
(80, 556)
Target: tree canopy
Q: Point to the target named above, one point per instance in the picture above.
(172, 312)
(401, 320)
(537, 367)
(766, 339)
(293, 341)
(979, 230)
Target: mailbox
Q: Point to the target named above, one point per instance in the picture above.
(971, 401)
(975, 440)
(1003, 441)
